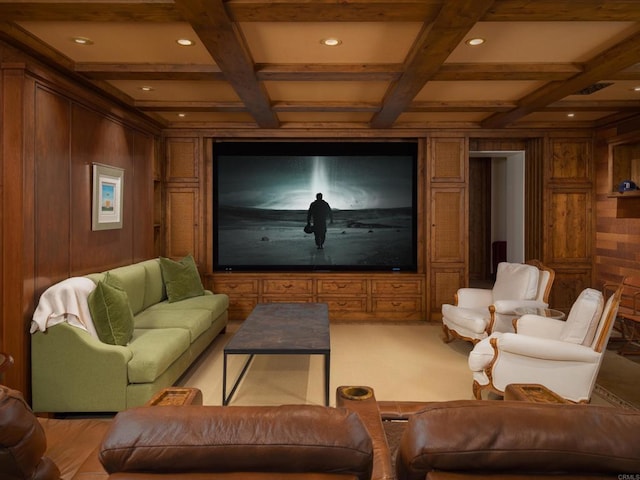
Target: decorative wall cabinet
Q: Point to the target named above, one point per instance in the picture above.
(624, 165)
(447, 220)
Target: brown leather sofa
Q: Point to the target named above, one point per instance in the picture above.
(185, 442)
(466, 439)
(517, 440)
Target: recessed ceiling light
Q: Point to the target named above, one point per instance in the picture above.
(474, 42)
(182, 115)
(571, 115)
(146, 88)
(636, 89)
(82, 40)
(185, 42)
(331, 42)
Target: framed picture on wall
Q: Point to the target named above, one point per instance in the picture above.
(108, 184)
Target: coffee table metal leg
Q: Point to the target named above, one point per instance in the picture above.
(327, 371)
(226, 399)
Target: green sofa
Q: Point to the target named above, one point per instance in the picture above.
(73, 371)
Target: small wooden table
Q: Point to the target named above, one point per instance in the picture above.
(542, 312)
(532, 392)
(176, 396)
(281, 329)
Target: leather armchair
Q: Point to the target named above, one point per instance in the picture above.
(563, 356)
(478, 312)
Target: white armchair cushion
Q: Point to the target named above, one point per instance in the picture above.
(583, 318)
(473, 319)
(541, 327)
(545, 349)
(469, 297)
(515, 281)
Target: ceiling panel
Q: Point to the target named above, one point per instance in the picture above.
(367, 42)
(122, 42)
(398, 64)
(546, 42)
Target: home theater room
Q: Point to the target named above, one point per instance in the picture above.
(319, 240)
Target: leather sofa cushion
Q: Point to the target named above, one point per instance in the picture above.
(22, 441)
(519, 437)
(296, 438)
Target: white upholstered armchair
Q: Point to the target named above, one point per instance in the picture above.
(478, 312)
(564, 356)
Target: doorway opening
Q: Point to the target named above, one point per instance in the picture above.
(496, 213)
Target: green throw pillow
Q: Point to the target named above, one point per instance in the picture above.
(181, 278)
(111, 313)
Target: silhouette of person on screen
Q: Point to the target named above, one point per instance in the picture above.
(319, 212)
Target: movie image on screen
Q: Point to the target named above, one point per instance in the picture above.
(315, 206)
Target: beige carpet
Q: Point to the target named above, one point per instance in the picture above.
(406, 361)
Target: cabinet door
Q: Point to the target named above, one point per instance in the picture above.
(183, 222)
(448, 225)
(183, 160)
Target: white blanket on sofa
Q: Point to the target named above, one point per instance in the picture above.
(65, 301)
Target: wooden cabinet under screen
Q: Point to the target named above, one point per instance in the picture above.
(350, 296)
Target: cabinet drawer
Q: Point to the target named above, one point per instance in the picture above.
(401, 287)
(346, 287)
(287, 286)
(397, 304)
(234, 287)
(345, 304)
(240, 308)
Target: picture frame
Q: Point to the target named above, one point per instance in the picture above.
(108, 187)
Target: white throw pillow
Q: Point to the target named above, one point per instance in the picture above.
(583, 318)
(516, 281)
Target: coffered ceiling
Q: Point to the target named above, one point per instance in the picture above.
(404, 63)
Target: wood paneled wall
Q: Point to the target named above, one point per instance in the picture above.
(617, 243)
(52, 134)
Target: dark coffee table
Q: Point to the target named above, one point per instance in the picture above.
(277, 329)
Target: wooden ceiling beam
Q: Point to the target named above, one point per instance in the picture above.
(322, 11)
(503, 71)
(594, 106)
(623, 55)
(149, 71)
(564, 11)
(79, 11)
(333, 10)
(435, 43)
(218, 34)
(190, 106)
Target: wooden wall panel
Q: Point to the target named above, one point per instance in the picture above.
(52, 189)
(444, 283)
(182, 222)
(570, 233)
(52, 134)
(183, 157)
(617, 248)
(99, 139)
(569, 216)
(448, 213)
(144, 153)
(571, 160)
(448, 160)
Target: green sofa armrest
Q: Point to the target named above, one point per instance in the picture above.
(73, 371)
